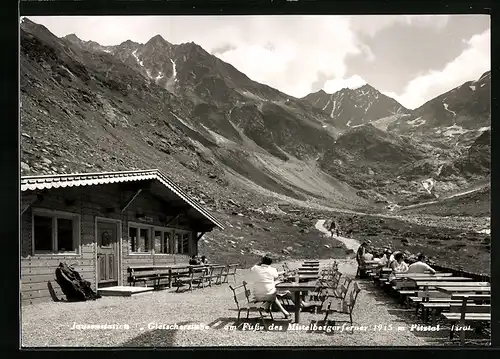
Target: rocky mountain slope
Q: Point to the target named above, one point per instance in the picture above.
(454, 118)
(219, 99)
(108, 114)
(377, 163)
(239, 147)
(160, 105)
(353, 107)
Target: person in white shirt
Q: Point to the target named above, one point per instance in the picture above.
(367, 257)
(398, 265)
(384, 261)
(264, 285)
(420, 266)
(391, 257)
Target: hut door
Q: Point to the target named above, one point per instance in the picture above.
(107, 250)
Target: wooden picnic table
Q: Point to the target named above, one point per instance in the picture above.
(309, 269)
(440, 279)
(308, 273)
(464, 289)
(297, 288)
(426, 283)
(474, 297)
(410, 275)
(308, 276)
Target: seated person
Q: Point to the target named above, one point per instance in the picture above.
(384, 260)
(360, 257)
(368, 257)
(204, 260)
(264, 286)
(387, 256)
(420, 266)
(391, 257)
(398, 265)
(194, 260)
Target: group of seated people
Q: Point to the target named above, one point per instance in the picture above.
(196, 260)
(264, 283)
(395, 261)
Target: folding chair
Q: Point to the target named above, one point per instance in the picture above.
(344, 306)
(241, 295)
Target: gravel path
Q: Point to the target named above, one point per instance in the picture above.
(49, 324)
(350, 243)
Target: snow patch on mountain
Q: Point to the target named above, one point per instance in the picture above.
(454, 130)
(159, 76)
(367, 107)
(137, 58)
(174, 70)
(445, 105)
(440, 168)
(428, 185)
(417, 122)
(472, 87)
(333, 108)
(323, 109)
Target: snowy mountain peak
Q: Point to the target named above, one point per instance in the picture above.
(350, 107)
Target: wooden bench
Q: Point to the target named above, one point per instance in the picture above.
(215, 274)
(465, 313)
(432, 300)
(194, 275)
(230, 270)
(148, 273)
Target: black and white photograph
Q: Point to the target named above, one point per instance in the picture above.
(255, 181)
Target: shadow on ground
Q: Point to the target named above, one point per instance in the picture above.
(154, 338)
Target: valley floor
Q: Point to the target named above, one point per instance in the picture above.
(50, 324)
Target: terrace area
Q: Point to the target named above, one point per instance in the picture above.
(207, 317)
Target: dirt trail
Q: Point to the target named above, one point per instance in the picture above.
(463, 193)
(350, 243)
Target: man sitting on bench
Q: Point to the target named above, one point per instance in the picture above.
(420, 266)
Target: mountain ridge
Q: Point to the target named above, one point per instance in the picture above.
(181, 106)
(353, 107)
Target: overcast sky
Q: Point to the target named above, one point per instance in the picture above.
(410, 58)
